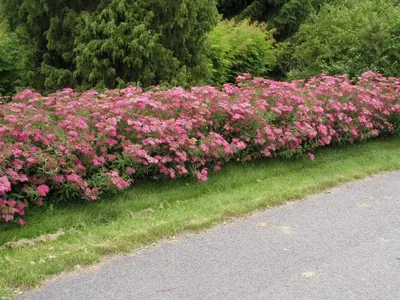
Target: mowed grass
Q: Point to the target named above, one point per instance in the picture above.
(151, 211)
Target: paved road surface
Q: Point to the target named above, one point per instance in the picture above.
(344, 244)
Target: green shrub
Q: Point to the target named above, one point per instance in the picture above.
(349, 37)
(240, 47)
(283, 15)
(10, 62)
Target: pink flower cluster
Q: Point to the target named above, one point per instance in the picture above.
(77, 145)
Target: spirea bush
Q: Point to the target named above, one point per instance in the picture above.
(70, 145)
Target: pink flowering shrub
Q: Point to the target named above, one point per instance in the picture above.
(72, 145)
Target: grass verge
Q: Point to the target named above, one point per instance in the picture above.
(58, 239)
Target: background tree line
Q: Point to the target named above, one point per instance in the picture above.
(52, 44)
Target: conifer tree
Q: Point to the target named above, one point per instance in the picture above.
(106, 43)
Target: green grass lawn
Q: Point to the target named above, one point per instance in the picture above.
(151, 211)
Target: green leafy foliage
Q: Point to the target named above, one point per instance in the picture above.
(11, 58)
(240, 47)
(111, 43)
(284, 15)
(100, 43)
(348, 37)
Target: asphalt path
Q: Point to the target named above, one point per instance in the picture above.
(342, 244)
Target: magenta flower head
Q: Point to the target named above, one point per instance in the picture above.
(310, 156)
(43, 190)
(5, 185)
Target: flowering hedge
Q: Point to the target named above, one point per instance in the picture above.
(78, 145)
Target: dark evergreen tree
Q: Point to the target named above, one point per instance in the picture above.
(105, 43)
